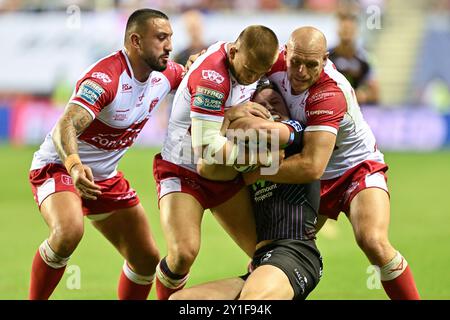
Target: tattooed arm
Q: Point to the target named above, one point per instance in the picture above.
(72, 123)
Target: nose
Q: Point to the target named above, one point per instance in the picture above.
(168, 45)
(301, 68)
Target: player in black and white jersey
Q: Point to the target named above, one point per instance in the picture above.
(287, 263)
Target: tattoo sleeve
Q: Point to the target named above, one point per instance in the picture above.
(71, 124)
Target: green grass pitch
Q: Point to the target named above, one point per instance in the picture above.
(420, 229)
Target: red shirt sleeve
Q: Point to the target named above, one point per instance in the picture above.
(96, 89)
(174, 73)
(325, 109)
(209, 89)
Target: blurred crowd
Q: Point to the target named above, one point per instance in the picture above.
(177, 6)
(430, 84)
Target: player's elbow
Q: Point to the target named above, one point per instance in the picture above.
(313, 172)
(204, 170)
(208, 171)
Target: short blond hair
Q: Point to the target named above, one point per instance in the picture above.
(260, 43)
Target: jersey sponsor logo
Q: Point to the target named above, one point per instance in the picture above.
(120, 116)
(212, 76)
(263, 192)
(153, 104)
(102, 76)
(90, 91)
(155, 81)
(319, 113)
(126, 87)
(116, 141)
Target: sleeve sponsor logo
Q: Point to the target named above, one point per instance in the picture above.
(90, 91)
(212, 76)
(210, 92)
(209, 99)
(319, 113)
(102, 76)
(321, 96)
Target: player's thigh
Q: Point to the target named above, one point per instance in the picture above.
(181, 216)
(267, 282)
(63, 213)
(129, 231)
(226, 289)
(370, 213)
(236, 217)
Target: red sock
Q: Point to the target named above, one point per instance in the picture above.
(163, 292)
(398, 281)
(403, 287)
(44, 279)
(133, 286)
(167, 282)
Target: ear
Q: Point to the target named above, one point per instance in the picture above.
(233, 51)
(325, 59)
(135, 40)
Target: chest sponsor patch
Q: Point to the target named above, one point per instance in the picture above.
(319, 113)
(90, 91)
(208, 99)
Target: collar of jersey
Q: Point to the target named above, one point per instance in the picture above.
(136, 81)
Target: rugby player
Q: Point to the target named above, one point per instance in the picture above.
(74, 172)
(287, 264)
(340, 149)
(224, 76)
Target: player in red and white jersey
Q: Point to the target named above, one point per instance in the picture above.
(74, 172)
(224, 76)
(330, 105)
(340, 149)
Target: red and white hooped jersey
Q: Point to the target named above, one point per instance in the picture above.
(120, 106)
(330, 105)
(207, 90)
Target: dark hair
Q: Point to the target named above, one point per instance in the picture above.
(262, 85)
(139, 17)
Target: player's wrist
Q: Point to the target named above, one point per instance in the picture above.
(72, 161)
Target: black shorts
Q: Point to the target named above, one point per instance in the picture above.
(300, 260)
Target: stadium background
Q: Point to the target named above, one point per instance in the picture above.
(45, 45)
